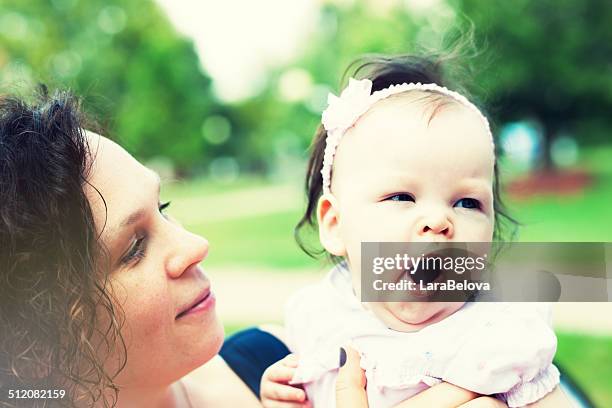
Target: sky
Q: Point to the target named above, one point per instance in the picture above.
(239, 40)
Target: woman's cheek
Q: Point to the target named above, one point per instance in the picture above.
(146, 312)
(151, 323)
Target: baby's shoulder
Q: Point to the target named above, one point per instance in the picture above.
(512, 334)
(510, 351)
(310, 298)
(309, 308)
(511, 321)
(501, 325)
(331, 292)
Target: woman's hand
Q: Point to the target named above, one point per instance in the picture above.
(351, 381)
(275, 390)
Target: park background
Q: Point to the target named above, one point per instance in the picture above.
(222, 99)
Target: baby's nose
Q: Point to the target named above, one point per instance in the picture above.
(436, 225)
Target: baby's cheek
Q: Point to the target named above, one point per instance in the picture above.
(474, 228)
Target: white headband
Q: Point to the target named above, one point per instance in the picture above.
(356, 99)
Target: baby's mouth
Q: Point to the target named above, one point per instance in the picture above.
(423, 276)
(431, 269)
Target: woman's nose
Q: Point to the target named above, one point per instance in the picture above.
(435, 225)
(189, 249)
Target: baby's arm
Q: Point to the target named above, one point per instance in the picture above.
(555, 399)
(275, 389)
(351, 382)
(448, 395)
(443, 395)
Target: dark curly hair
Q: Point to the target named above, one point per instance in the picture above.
(53, 268)
(385, 71)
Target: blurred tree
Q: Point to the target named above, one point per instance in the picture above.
(550, 60)
(284, 117)
(127, 62)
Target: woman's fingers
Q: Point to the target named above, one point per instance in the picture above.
(484, 402)
(350, 371)
(351, 381)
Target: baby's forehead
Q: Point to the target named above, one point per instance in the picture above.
(422, 106)
(431, 130)
(417, 113)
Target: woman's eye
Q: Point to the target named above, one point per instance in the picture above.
(470, 203)
(400, 197)
(136, 251)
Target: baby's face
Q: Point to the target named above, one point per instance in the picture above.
(400, 177)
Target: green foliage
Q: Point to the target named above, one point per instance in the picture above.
(127, 62)
(343, 33)
(543, 60)
(548, 60)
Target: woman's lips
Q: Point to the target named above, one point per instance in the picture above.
(205, 302)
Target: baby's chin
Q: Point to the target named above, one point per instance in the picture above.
(413, 316)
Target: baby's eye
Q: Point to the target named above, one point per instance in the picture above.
(470, 203)
(400, 197)
(162, 207)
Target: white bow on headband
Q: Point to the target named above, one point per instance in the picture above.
(356, 99)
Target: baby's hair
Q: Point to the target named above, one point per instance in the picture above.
(385, 71)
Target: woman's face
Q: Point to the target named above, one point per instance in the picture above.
(155, 272)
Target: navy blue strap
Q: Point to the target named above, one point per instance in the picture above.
(249, 352)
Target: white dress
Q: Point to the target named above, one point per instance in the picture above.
(499, 349)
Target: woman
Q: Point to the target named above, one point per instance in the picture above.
(102, 299)
(97, 283)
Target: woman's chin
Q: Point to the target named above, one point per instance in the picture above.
(207, 346)
(214, 335)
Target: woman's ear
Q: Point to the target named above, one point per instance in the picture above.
(328, 218)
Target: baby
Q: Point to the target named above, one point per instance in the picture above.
(400, 158)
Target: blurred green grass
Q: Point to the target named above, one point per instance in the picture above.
(262, 241)
(238, 236)
(580, 217)
(588, 361)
